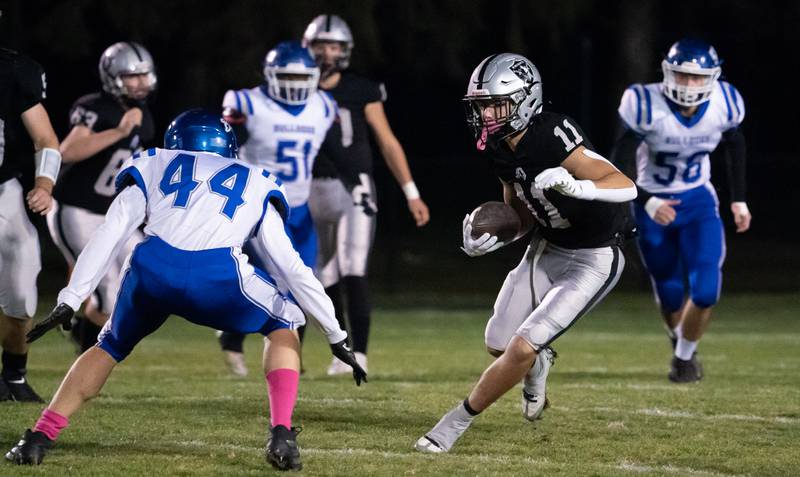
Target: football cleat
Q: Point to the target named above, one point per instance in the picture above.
(534, 399)
(686, 371)
(31, 449)
(282, 451)
(446, 432)
(235, 362)
(21, 391)
(429, 446)
(533, 405)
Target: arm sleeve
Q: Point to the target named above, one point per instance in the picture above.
(124, 215)
(31, 84)
(285, 262)
(736, 164)
(623, 156)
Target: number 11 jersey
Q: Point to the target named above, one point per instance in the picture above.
(564, 221)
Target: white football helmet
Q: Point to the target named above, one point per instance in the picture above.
(331, 28)
(504, 93)
(125, 58)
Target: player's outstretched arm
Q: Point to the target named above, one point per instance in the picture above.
(125, 214)
(395, 158)
(285, 262)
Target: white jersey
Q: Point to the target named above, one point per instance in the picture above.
(674, 154)
(281, 142)
(228, 197)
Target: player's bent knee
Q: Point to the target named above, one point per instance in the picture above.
(520, 351)
(705, 299)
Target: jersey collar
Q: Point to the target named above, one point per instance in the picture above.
(690, 121)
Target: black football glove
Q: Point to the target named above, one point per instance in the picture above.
(341, 351)
(61, 314)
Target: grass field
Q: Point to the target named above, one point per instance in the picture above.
(172, 409)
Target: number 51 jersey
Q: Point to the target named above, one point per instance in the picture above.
(674, 154)
(200, 200)
(284, 141)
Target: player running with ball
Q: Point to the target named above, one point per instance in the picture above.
(553, 179)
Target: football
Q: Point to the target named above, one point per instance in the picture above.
(495, 218)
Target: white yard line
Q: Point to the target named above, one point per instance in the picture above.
(482, 458)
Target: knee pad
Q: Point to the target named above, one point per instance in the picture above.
(705, 296)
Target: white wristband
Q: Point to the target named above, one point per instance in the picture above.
(48, 163)
(410, 190)
(652, 205)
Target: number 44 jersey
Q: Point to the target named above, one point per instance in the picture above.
(200, 200)
(283, 140)
(674, 154)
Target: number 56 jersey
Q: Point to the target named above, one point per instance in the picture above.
(200, 200)
(283, 140)
(674, 154)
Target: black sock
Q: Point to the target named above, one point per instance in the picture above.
(334, 292)
(14, 365)
(89, 332)
(301, 332)
(230, 341)
(470, 411)
(358, 311)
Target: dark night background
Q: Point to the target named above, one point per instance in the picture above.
(587, 52)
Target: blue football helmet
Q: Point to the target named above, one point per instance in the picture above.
(694, 57)
(201, 130)
(292, 74)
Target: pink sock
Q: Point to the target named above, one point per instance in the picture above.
(51, 423)
(282, 387)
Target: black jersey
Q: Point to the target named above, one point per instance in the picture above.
(89, 184)
(564, 221)
(22, 86)
(346, 151)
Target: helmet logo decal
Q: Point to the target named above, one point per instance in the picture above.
(523, 72)
(225, 124)
(520, 174)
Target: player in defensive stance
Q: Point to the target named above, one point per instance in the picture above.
(25, 134)
(343, 198)
(670, 130)
(107, 128)
(200, 204)
(574, 197)
(280, 126)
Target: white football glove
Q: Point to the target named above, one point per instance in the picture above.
(480, 246)
(558, 179)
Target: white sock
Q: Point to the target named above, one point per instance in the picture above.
(678, 331)
(685, 349)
